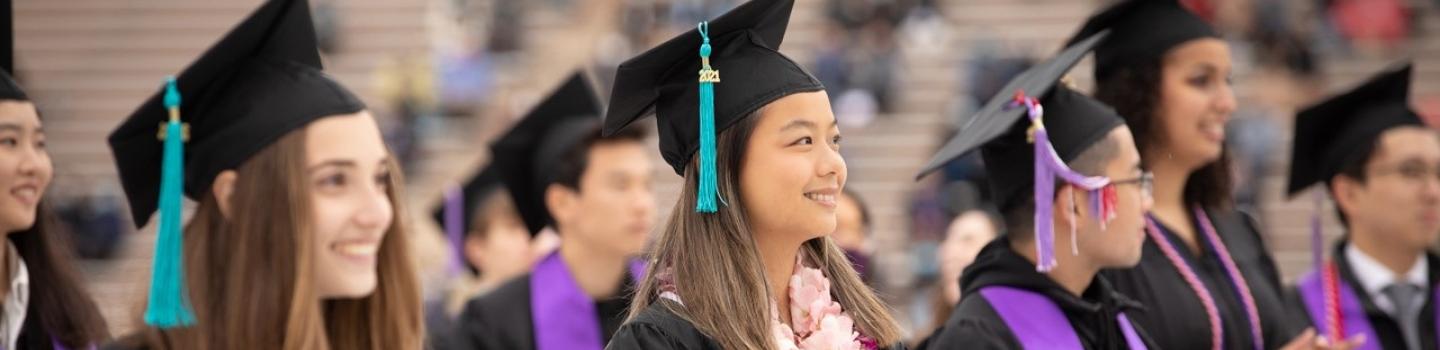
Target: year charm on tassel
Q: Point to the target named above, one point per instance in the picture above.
(708, 75)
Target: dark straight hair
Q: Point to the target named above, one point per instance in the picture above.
(60, 308)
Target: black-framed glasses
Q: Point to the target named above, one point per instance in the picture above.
(1146, 181)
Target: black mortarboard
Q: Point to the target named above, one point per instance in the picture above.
(9, 90)
(260, 82)
(664, 80)
(1010, 143)
(473, 195)
(1074, 121)
(1140, 30)
(1343, 129)
(529, 153)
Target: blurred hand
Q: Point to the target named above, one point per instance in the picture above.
(1309, 340)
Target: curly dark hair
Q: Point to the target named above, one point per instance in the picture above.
(1134, 92)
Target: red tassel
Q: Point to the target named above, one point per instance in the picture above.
(1108, 200)
(1334, 315)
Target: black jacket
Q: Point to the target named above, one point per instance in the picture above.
(975, 325)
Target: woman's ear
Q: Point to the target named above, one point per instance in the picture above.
(222, 188)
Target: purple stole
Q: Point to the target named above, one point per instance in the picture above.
(1038, 323)
(1354, 320)
(563, 316)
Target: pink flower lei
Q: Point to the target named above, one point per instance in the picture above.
(817, 321)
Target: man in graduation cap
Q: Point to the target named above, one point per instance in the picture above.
(1379, 163)
(595, 192)
(1037, 286)
(490, 244)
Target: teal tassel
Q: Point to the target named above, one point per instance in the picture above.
(709, 192)
(169, 304)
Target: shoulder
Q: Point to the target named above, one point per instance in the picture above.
(1236, 224)
(501, 316)
(513, 294)
(973, 325)
(658, 327)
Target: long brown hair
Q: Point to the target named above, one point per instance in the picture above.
(60, 307)
(1134, 92)
(249, 274)
(716, 268)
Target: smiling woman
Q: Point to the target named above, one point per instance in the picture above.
(294, 242)
(745, 261)
(44, 302)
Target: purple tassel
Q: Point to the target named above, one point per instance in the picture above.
(454, 225)
(1048, 165)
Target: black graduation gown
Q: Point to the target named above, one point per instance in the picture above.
(975, 325)
(1175, 315)
(1385, 327)
(659, 328)
(501, 319)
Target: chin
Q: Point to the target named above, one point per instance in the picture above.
(357, 291)
(19, 221)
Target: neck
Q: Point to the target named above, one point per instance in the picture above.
(599, 274)
(487, 281)
(1395, 256)
(778, 254)
(1169, 206)
(1170, 178)
(1072, 272)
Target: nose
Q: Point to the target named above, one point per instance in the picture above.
(644, 201)
(831, 163)
(1430, 190)
(375, 210)
(35, 163)
(1224, 102)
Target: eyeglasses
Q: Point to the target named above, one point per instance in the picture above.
(1412, 171)
(1146, 181)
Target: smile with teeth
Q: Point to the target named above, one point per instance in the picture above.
(24, 192)
(822, 198)
(358, 249)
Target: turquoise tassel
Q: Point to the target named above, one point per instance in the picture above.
(709, 192)
(169, 304)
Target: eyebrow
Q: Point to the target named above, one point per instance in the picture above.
(341, 163)
(801, 123)
(15, 127)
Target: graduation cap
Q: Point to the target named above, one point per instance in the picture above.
(1140, 30)
(453, 214)
(9, 90)
(1343, 129)
(681, 82)
(1025, 155)
(531, 151)
(262, 81)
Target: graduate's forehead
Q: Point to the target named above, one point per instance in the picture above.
(800, 112)
(19, 114)
(1407, 143)
(351, 138)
